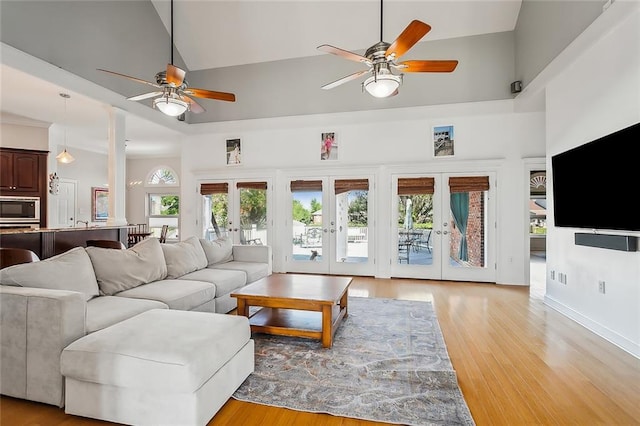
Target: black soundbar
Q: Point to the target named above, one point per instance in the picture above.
(612, 242)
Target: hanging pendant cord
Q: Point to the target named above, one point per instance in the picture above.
(380, 20)
(171, 32)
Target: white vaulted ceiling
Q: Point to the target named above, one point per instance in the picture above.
(211, 34)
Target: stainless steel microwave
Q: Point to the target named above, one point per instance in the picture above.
(19, 209)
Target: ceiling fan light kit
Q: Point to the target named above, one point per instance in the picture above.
(381, 58)
(171, 105)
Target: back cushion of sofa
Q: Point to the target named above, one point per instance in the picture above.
(182, 258)
(119, 270)
(71, 270)
(201, 257)
(217, 251)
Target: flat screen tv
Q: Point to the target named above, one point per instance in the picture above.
(597, 185)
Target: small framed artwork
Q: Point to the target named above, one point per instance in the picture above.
(443, 141)
(234, 152)
(328, 146)
(99, 204)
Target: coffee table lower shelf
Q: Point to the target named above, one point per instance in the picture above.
(294, 322)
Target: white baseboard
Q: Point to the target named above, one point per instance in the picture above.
(602, 331)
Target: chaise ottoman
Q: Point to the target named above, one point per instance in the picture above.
(162, 366)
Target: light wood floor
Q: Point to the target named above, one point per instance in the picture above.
(518, 363)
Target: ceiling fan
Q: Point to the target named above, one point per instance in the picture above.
(174, 94)
(381, 58)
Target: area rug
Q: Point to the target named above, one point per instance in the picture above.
(388, 363)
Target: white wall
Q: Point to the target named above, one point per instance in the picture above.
(485, 133)
(89, 170)
(597, 94)
(24, 137)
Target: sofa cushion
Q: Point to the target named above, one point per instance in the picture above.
(71, 270)
(119, 270)
(177, 294)
(184, 257)
(198, 251)
(105, 311)
(225, 280)
(217, 251)
(254, 270)
(158, 350)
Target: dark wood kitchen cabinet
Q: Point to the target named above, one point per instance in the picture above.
(22, 172)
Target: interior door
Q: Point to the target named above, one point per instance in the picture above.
(444, 227)
(65, 203)
(330, 223)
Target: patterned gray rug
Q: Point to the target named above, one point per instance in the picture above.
(388, 363)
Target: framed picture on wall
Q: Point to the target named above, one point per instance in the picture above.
(328, 146)
(443, 141)
(234, 152)
(99, 204)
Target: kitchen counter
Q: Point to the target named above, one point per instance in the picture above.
(4, 231)
(47, 242)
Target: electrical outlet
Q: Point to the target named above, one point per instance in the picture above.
(601, 287)
(562, 278)
(553, 274)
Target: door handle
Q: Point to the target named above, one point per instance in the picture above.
(438, 232)
(333, 230)
(444, 232)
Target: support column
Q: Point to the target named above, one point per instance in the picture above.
(117, 167)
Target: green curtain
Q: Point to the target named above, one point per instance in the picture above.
(460, 211)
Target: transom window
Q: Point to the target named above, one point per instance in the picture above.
(163, 175)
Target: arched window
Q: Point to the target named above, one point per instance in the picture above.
(163, 204)
(163, 175)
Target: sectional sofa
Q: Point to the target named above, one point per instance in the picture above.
(48, 305)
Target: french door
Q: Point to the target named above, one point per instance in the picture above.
(330, 225)
(237, 209)
(443, 227)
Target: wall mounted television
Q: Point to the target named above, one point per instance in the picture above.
(597, 185)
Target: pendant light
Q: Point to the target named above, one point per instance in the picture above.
(64, 157)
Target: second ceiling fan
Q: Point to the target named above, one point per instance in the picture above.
(174, 96)
(382, 57)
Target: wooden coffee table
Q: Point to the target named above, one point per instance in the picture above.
(296, 305)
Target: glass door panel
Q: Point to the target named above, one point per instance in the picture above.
(253, 212)
(236, 209)
(307, 217)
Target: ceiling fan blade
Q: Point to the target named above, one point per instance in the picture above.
(345, 79)
(210, 94)
(343, 53)
(193, 105)
(428, 66)
(144, 96)
(130, 78)
(410, 36)
(175, 75)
